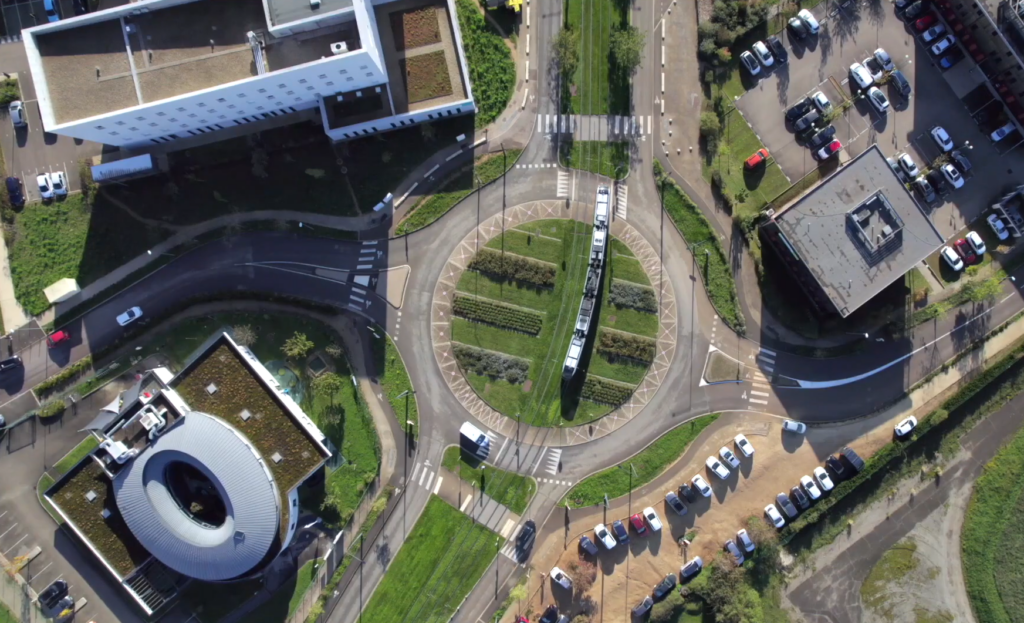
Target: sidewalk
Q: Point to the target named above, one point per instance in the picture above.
(12, 313)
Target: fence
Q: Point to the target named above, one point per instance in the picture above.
(15, 595)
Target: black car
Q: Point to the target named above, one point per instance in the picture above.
(778, 50)
(688, 492)
(524, 542)
(14, 192)
(915, 10)
(935, 179)
(782, 501)
(852, 458)
(11, 363)
(550, 615)
(799, 109)
(807, 121)
(801, 498)
(924, 189)
(837, 467)
(620, 532)
(664, 587)
(53, 593)
(900, 83)
(797, 28)
(819, 139)
(588, 545)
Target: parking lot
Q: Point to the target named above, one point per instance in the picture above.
(849, 35)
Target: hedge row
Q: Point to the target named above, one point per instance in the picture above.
(634, 296)
(62, 378)
(491, 364)
(497, 314)
(510, 267)
(52, 408)
(614, 344)
(603, 391)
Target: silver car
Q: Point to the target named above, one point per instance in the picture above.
(129, 316)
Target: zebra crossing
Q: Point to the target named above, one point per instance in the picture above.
(554, 458)
(423, 476)
(509, 550)
(563, 184)
(620, 201)
(15, 38)
(540, 165)
(564, 483)
(760, 390)
(615, 127)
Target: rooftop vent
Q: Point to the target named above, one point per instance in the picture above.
(314, 4)
(339, 47)
(245, 415)
(91, 496)
(106, 513)
(276, 457)
(211, 389)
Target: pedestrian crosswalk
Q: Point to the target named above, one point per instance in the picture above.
(564, 483)
(15, 38)
(595, 127)
(423, 476)
(539, 165)
(509, 550)
(563, 184)
(554, 459)
(620, 201)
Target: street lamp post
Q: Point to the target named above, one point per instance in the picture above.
(629, 513)
(408, 447)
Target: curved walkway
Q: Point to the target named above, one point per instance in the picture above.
(441, 314)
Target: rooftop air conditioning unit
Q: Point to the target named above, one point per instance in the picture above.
(314, 4)
(339, 48)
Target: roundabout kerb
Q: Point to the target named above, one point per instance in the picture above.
(441, 315)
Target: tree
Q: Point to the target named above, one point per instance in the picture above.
(566, 51)
(627, 45)
(333, 350)
(328, 384)
(518, 593)
(766, 555)
(978, 291)
(245, 335)
(583, 574)
(297, 346)
(710, 125)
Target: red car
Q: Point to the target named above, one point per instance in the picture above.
(925, 22)
(522, 619)
(759, 157)
(965, 251)
(637, 521)
(56, 338)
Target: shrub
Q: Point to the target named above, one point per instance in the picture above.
(491, 364)
(510, 267)
(52, 408)
(710, 125)
(614, 344)
(641, 298)
(491, 69)
(63, 378)
(603, 391)
(9, 91)
(497, 314)
(89, 186)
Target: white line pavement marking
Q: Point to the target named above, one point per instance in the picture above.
(437, 487)
(753, 393)
(761, 385)
(769, 352)
(16, 544)
(430, 479)
(507, 528)
(465, 503)
(8, 530)
(422, 474)
(535, 465)
(760, 402)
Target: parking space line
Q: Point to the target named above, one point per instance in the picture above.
(15, 525)
(35, 575)
(2, 514)
(16, 544)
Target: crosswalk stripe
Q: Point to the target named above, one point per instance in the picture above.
(753, 393)
(465, 503)
(437, 487)
(650, 128)
(761, 385)
(767, 368)
(765, 358)
(770, 352)
(553, 459)
(760, 402)
(508, 527)
(415, 471)
(422, 475)
(430, 478)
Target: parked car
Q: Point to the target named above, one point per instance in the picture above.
(10, 364)
(57, 337)
(637, 521)
(675, 503)
(783, 502)
(907, 165)
(14, 192)
(701, 485)
(925, 22)
(808, 19)
(1002, 132)
(730, 546)
(900, 83)
(728, 456)
(933, 33)
(810, 487)
(774, 516)
(750, 63)
(45, 185)
(641, 609)
(998, 228)
(951, 58)
(976, 242)
(50, 7)
(942, 45)
(951, 258)
(952, 175)
(757, 159)
(861, 76)
(821, 102)
(903, 428)
(778, 50)
(53, 593)
(745, 541)
(605, 537)
(883, 59)
(664, 587)
(550, 615)
(687, 492)
(799, 109)
(744, 446)
(874, 68)
(60, 184)
(797, 28)
(717, 468)
(558, 577)
(808, 120)
(653, 521)
(793, 426)
(823, 479)
(936, 180)
(762, 54)
(821, 138)
(915, 10)
(620, 532)
(878, 100)
(17, 112)
(941, 138)
(924, 188)
(852, 458)
(960, 161)
(691, 568)
(588, 545)
(129, 316)
(837, 467)
(801, 499)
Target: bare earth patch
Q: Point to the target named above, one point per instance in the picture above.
(416, 28)
(426, 76)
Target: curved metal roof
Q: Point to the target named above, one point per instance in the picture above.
(246, 486)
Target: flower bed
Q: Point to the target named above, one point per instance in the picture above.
(426, 76)
(415, 28)
(497, 314)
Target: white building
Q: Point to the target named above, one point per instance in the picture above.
(155, 71)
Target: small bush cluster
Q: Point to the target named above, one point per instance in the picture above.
(497, 314)
(51, 409)
(641, 298)
(64, 377)
(614, 344)
(509, 267)
(491, 364)
(606, 392)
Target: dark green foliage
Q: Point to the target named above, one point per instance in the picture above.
(633, 296)
(603, 391)
(64, 377)
(497, 314)
(491, 364)
(491, 69)
(615, 345)
(510, 267)
(52, 408)
(9, 91)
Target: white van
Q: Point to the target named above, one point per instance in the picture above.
(475, 440)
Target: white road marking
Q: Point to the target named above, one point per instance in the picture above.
(15, 544)
(765, 394)
(768, 352)
(760, 402)
(430, 479)
(532, 471)
(437, 487)
(508, 527)
(762, 385)
(465, 503)
(554, 457)
(422, 474)
(8, 530)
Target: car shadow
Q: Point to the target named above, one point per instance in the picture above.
(791, 442)
(746, 466)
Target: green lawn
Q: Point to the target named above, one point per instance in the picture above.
(750, 189)
(995, 521)
(45, 482)
(513, 490)
(395, 380)
(437, 566)
(649, 463)
(492, 72)
(610, 159)
(303, 579)
(877, 592)
(6, 616)
(596, 90)
(76, 454)
(486, 169)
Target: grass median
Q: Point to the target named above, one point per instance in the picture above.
(610, 158)
(76, 454)
(395, 381)
(513, 490)
(648, 463)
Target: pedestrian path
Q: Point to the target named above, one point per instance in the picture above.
(595, 127)
(563, 184)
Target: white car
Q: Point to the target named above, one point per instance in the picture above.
(807, 18)
(652, 519)
(812, 489)
(878, 100)
(17, 111)
(762, 54)
(997, 227)
(933, 33)
(605, 537)
(952, 258)
(976, 242)
(60, 184)
(716, 466)
(943, 44)
(745, 541)
(821, 102)
(744, 446)
(737, 555)
(750, 63)
(702, 485)
(997, 136)
(884, 60)
(952, 176)
(873, 68)
(728, 456)
(823, 479)
(129, 316)
(774, 516)
(691, 568)
(45, 185)
(903, 428)
(794, 427)
(941, 138)
(908, 165)
(559, 577)
(861, 75)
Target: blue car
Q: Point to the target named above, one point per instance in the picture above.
(620, 532)
(52, 13)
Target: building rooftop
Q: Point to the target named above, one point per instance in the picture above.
(858, 231)
(285, 11)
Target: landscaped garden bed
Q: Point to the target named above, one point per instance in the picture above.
(415, 28)
(492, 71)
(426, 76)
